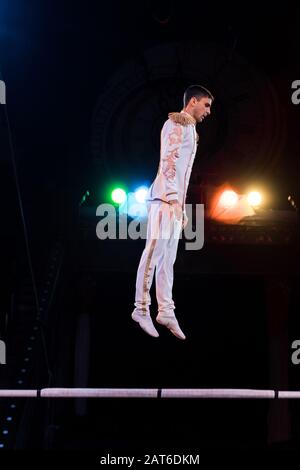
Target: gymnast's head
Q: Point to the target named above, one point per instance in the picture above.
(197, 101)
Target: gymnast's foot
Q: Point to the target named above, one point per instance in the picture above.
(170, 321)
(145, 322)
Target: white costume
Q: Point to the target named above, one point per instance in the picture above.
(178, 148)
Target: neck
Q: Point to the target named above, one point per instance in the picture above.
(188, 111)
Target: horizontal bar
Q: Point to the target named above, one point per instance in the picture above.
(99, 393)
(289, 395)
(18, 393)
(217, 393)
(210, 393)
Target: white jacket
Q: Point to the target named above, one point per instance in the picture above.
(178, 147)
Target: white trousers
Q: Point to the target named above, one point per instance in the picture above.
(163, 233)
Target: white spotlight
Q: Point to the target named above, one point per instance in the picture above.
(140, 194)
(228, 198)
(254, 198)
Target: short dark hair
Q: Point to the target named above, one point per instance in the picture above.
(198, 91)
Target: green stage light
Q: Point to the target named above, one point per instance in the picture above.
(118, 195)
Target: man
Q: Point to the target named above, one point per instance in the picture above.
(166, 211)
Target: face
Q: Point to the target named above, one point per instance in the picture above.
(201, 108)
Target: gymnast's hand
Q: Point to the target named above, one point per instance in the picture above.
(184, 220)
(177, 209)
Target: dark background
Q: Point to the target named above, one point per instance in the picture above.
(89, 85)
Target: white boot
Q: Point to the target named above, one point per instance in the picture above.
(145, 322)
(171, 323)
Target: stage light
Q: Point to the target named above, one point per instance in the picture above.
(254, 198)
(292, 202)
(84, 197)
(137, 210)
(228, 198)
(118, 196)
(132, 207)
(140, 194)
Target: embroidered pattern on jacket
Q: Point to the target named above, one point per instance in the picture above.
(169, 161)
